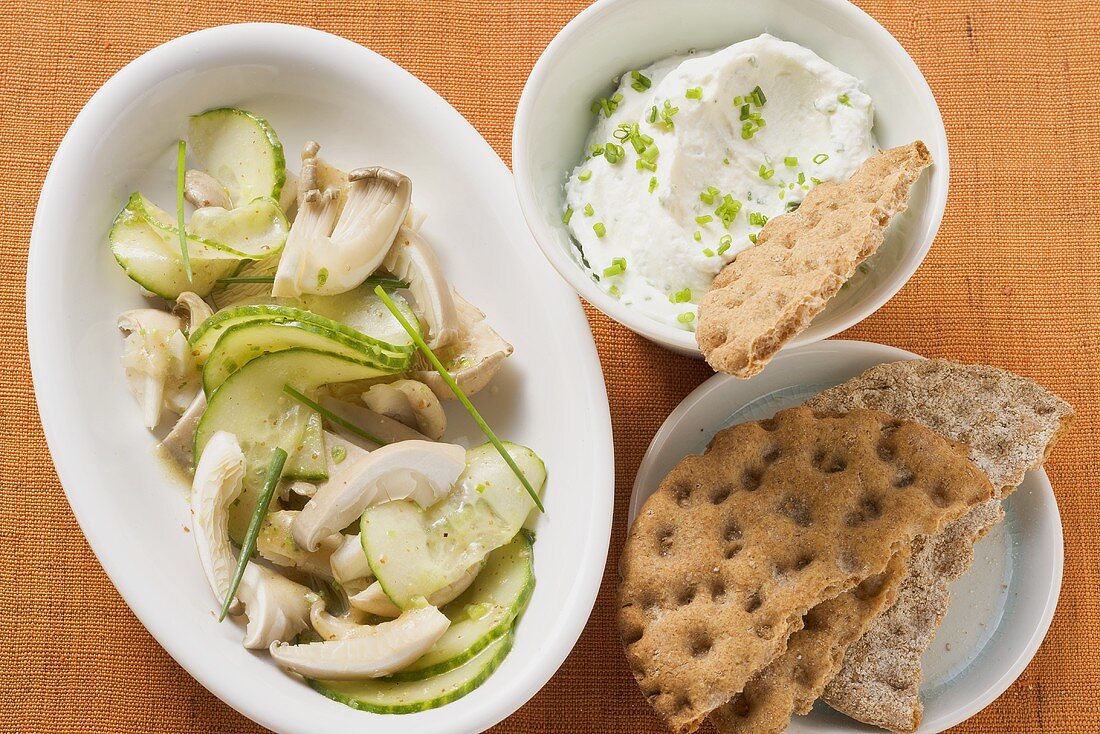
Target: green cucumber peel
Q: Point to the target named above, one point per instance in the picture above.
(181, 168)
(274, 471)
(443, 373)
(330, 416)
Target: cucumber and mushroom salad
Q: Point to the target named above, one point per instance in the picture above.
(306, 341)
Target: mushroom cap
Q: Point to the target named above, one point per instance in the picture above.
(330, 627)
(371, 652)
(423, 471)
(412, 259)
(180, 441)
(203, 190)
(349, 561)
(191, 310)
(219, 478)
(277, 608)
(411, 402)
(473, 359)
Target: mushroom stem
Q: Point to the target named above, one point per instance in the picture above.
(202, 190)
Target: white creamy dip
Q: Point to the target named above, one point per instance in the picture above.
(731, 137)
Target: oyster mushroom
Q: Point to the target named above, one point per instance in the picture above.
(276, 544)
(191, 310)
(376, 424)
(331, 249)
(368, 652)
(331, 627)
(277, 608)
(373, 599)
(202, 190)
(158, 363)
(422, 471)
(474, 358)
(411, 402)
(180, 441)
(411, 259)
(349, 561)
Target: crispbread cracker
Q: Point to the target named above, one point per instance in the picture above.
(814, 654)
(1010, 424)
(770, 292)
(776, 517)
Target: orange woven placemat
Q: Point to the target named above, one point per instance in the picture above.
(1013, 280)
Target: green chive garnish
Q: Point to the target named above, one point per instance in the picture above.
(752, 238)
(708, 252)
(758, 97)
(339, 453)
(371, 281)
(698, 236)
(614, 290)
(567, 216)
(652, 184)
(724, 243)
(443, 373)
(617, 267)
(181, 171)
(274, 471)
(613, 153)
(680, 296)
(727, 210)
(588, 210)
(790, 161)
(640, 81)
(821, 158)
(694, 93)
(765, 172)
(599, 229)
(332, 417)
(843, 99)
(585, 175)
(706, 218)
(757, 219)
(686, 317)
(815, 181)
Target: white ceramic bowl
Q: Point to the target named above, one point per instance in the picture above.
(613, 36)
(1000, 609)
(365, 111)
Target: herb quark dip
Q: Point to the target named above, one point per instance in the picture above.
(692, 155)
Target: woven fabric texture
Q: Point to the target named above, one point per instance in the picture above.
(1013, 280)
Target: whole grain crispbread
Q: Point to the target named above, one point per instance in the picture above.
(774, 518)
(1010, 424)
(814, 654)
(770, 292)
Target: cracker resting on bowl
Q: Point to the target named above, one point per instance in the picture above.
(771, 292)
(814, 654)
(777, 516)
(1010, 424)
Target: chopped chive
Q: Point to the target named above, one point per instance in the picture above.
(686, 317)
(617, 267)
(585, 175)
(339, 453)
(588, 210)
(727, 210)
(821, 158)
(782, 193)
(247, 279)
(708, 196)
(757, 219)
(694, 93)
(724, 243)
(652, 116)
(792, 205)
(708, 252)
(614, 290)
(181, 170)
(843, 99)
(330, 416)
(765, 172)
(567, 216)
(752, 238)
(790, 161)
(613, 153)
(791, 186)
(758, 97)
(371, 281)
(737, 100)
(652, 184)
(599, 229)
(274, 471)
(725, 161)
(746, 112)
(814, 180)
(595, 149)
(704, 219)
(446, 376)
(645, 165)
(698, 236)
(641, 81)
(680, 296)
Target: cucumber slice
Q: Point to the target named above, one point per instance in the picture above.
(483, 613)
(241, 151)
(151, 257)
(310, 462)
(386, 696)
(414, 552)
(251, 232)
(245, 341)
(207, 335)
(361, 309)
(251, 405)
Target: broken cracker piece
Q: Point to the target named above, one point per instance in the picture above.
(795, 679)
(770, 292)
(1010, 424)
(777, 516)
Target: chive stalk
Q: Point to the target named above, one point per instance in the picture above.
(181, 171)
(274, 471)
(446, 376)
(332, 417)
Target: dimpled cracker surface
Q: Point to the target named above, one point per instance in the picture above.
(774, 518)
(771, 292)
(814, 654)
(1010, 424)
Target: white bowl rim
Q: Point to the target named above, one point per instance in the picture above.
(587, 580)
(665, 334)
(677, 422)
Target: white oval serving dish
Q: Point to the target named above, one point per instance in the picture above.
(365, 110)
(1001, 608)
(613, 36)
